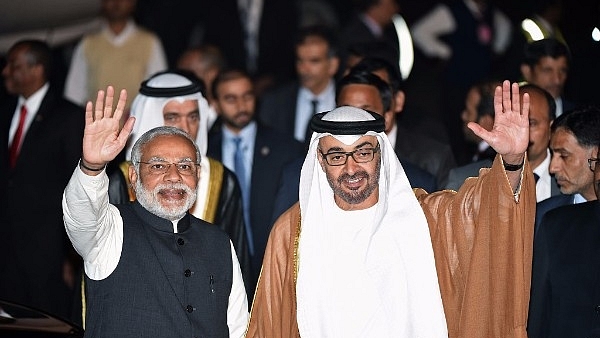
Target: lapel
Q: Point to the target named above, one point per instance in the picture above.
(260, 165)
(44, 112)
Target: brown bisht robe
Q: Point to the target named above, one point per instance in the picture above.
(482, 241)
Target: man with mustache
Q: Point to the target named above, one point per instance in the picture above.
(256, 153)
(152, 269)
(575, 137)
(564, 283)
(363, 255)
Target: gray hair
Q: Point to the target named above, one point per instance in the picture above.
(136, 151)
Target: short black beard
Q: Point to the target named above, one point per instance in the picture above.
(357, 196)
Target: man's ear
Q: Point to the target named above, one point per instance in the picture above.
(133, 176)
(399, 100)
(526, 72)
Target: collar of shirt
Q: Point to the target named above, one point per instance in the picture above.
(33, 104)
(578, 198)
(543, 187)
(120, 39)
(304, 107)
(559, 106)
(248, 136)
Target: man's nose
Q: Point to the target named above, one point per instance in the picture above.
(172, 174)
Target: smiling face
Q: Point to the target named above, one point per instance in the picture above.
(168, 195)
(184, 115)
(569, 164)
(355, 185)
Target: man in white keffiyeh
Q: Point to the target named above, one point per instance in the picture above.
(363, 255)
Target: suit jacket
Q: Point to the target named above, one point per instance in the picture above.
(277, 108)
(33, 243)
(425, 152)
(550, 203)
(565, 287)
(458, 175)
(272, 151)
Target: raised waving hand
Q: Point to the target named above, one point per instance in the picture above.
(103, 137)
(510, 134)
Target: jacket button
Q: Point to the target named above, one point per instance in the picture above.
(189, 309)
(187, 273)
(180, 241)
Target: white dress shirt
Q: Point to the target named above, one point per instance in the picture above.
(33, 104)
(326, 102)
(543, 187)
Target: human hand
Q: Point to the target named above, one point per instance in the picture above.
(510, 135)
(103, 139)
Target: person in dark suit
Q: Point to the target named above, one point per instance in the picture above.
(546, 64)
(255, 153)
(574, 140)
(41, 143)
(564, 287)
(288, 108)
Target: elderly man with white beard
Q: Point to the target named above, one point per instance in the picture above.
(151, 268)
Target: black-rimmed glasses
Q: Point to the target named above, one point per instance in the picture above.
(362, 155)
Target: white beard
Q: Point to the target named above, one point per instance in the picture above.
(149, 200)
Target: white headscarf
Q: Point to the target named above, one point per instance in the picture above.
(369, 272)
(148, 113)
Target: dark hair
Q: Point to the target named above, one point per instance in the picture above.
(373, 64)
(37, 53)
(583, 123)
(228, 75)
(368, 78)
(536, 50)
(486, 89)
(321, 32)
(530, 87)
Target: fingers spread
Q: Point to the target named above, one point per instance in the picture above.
(89, 111)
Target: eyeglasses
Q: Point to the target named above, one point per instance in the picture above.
(186, 168)
(337, 158)
(593, 163)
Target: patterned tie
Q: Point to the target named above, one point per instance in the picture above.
(240, 172)
(16, 142)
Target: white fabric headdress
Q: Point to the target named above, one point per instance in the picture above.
(147, 108)
(369, 272)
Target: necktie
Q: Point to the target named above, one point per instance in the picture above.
(536, 177)
(16, 142)
(240, 172)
